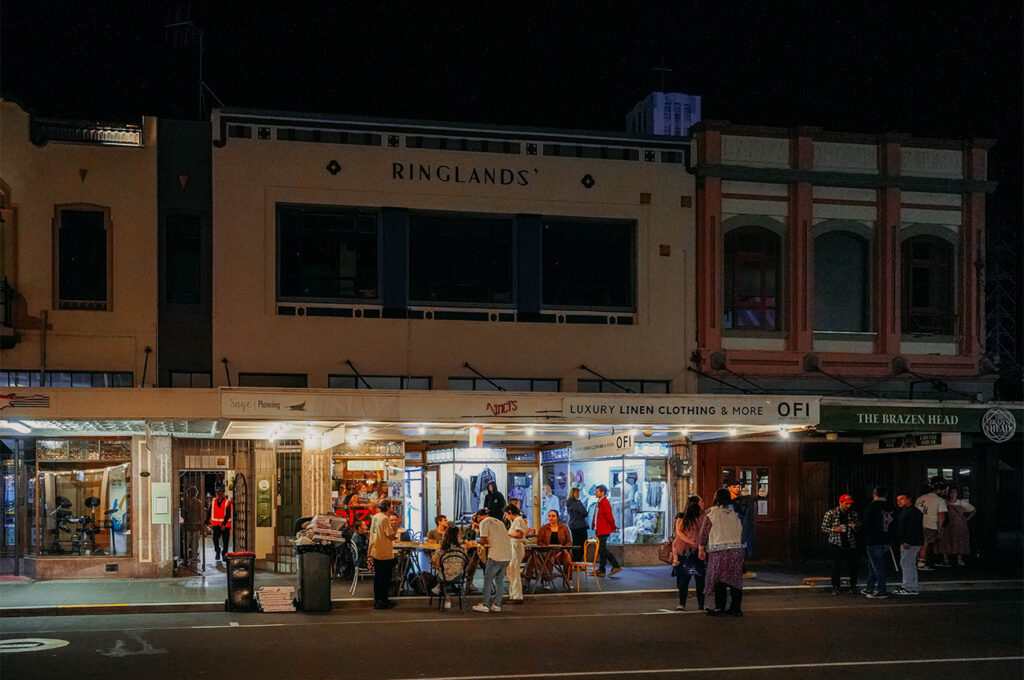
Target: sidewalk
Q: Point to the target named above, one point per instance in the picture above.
(206, 593)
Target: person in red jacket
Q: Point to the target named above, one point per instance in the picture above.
(604, 526)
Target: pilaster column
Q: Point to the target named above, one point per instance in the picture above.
(316, 479)
(887, 296)
(798, 255)
(710, 255)
(972, 254)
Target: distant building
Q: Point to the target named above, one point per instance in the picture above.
(664, 113)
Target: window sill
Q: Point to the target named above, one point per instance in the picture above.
(734, 333)
(937, 339)
(845, 336)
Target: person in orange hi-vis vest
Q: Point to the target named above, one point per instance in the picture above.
(218, 516)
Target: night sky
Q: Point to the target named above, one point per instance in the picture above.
(925, 68)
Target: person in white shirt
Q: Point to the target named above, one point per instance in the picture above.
(933, 509)
(494, 537)
(517, 533)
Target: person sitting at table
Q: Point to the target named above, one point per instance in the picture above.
(402, 534)
(469, 538)
(452, 567)
(554, 533)
(435, 535)
(361, 498)
(361, 540)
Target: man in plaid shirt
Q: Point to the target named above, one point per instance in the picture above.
(840, 524)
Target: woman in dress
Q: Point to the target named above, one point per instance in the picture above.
(686, 563)
(955, 537)
(721, 544)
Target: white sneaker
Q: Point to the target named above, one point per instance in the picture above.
(495, 608)
(448, 605)
(482, 608)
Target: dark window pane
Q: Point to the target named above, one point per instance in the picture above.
(460, 384)
(588, 265)
(271, 379)
(327, 255)
(751, 279)
(201, 380)
(181, 379)
(82, 243)
(59, 379)
(417, 383)
(840, 282)
(460, 260)
(183, 258)
(928, 285)
(81, 379)
(345, 382)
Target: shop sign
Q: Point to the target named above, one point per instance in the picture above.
(460, 174)
(703, 409)
(370, 450)
(556, 455)
(913, 441)
(1001, 422)
(264, 501)
(998, 424)
(473, 455)
(364, 465)
(608, 445)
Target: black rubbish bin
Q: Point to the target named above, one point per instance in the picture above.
(314, 574)
(241, 582)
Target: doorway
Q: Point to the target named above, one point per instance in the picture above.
(196, 489)
(522, 485)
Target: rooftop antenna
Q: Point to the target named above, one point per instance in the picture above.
(180, 32)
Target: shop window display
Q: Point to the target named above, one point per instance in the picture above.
(555, 491)
(84, 497)
(464, 486)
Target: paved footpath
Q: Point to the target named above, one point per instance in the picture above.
(795, 634)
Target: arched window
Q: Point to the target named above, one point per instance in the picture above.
(751, 279)
(841, 282)
(928, 284)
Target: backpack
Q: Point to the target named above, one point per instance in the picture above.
(421, 583)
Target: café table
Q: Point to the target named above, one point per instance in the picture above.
(407, 559)
(537, 564)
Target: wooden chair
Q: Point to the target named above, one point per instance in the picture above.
(455, 586)
(588, 565)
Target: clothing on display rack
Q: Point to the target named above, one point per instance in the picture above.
(464, 506)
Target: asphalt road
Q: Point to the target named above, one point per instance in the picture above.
(793, 634)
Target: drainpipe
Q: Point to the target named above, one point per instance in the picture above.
(42, 349)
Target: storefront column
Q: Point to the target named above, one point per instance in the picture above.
(316, 479)
(154, 543)
(264, 467)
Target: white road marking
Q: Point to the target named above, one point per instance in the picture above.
(718, 669)
(450, 618)
(17, 645)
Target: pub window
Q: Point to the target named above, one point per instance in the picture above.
(460, 260)
(183, 258)
(326, 254)
(67, 379)
(841, 282)
(83, 257)
(378, 382)
(588, 265)
(623, 386)
(751, 279)
(928, 275)
(509, 384)
(272, 379)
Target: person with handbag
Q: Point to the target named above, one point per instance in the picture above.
(577, 522)
(687, 563)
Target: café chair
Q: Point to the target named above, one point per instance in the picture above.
(588, 565)
(357, 571)
(455, 586)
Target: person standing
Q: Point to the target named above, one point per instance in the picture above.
(577, 523)
(933, 508)
(604, 526)
(721, 546)
(686, 561)
(743, 504)
(218, 516)
(879, 524)
(382, 550)
(840, 525)
(493, 537)
(909, 538)
(517, 534)
(955, 539)
(494, 501)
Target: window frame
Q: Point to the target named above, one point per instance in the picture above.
(729, 261)
(634, 268)
(168, 292)
(244, 375)
(513, 241)
(354, 211)
(859, 231)
(627, 382)
(358, 384)
(191, 379)
(488, 387)
(950, 281)
(68, 304)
